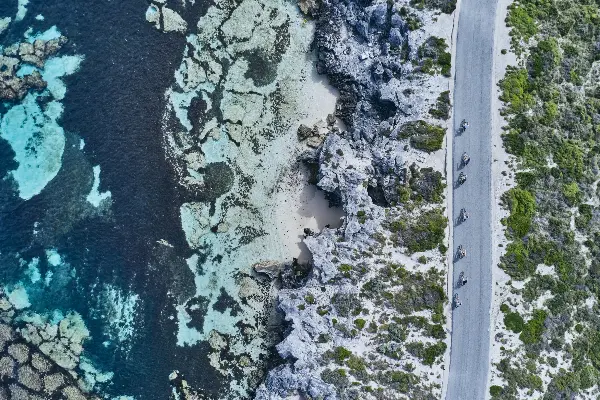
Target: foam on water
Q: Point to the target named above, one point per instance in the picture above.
(91, 375)
(118, 308)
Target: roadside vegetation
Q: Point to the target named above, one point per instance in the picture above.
(423, 136)
(434, 56)
(552, 105)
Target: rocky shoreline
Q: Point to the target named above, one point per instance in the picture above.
(369, 319)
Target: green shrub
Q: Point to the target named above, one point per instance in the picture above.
(359, 323)
(435, 57)
(571, 192)
(584, 217)
(442, 106)
(423, 260)
(569, 158)
(516, 260)
(446, 6)
(495, 390)
(338, 378)
(340, 354)
(423, 136)
(516, 91)
(310, 299)
(533, 329)
(424, 233)
(522, 22)
(521, 204)
(545, 57)
(357, 367)
(513, 321)
(432, 352)
(504, 308)
(362, 216)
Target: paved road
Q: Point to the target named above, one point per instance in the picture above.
(469, 355)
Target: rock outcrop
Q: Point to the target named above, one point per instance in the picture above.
(14, 85)
(369, 322)
(38, 359)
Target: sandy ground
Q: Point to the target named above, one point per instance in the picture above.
(300, 205)
(500, 183)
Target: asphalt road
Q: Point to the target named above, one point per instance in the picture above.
(469, 357)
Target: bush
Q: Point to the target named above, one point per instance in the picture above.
(533, 329)
(359, 323)
(435, 57)
(423, 136)
(338, 378)
(585, 216)
(432, 352)
(569, 158)
(446, 6)
(340, 354)
(504, 308)
(442, 106)
(571, 192)
(310, 299)
(495, 390)
(522, 22)
(522, 209)
(361, 215)
(516, 260)
(516, 91)
(425, 233)
(513, 321)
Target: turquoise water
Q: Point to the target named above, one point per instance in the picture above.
(137, 191)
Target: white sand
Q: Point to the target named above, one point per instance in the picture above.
(301, 205)
(500, 184)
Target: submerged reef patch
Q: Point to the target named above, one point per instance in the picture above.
(31, 127)
(229, 129)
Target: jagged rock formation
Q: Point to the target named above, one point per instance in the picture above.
(369, 320)
(14, 86)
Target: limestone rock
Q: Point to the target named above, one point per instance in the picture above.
(269, 268)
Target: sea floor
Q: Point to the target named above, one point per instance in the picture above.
(153, 164)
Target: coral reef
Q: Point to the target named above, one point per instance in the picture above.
(40, 359)
(14, 84)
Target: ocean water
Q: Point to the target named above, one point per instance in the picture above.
(135, 190)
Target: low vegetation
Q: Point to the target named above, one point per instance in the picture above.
(434, 56)
(552, 106)
(425, 232)
(423, 136)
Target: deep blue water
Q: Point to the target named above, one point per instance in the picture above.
(115, 103)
